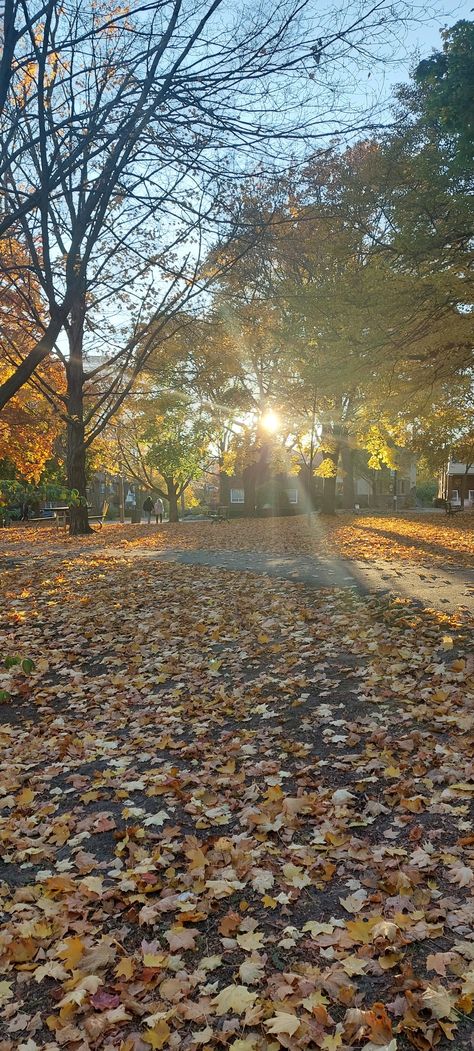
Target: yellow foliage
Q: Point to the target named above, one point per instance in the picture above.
(327, 468)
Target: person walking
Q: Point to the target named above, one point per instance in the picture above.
(158, 509)
(148, 508)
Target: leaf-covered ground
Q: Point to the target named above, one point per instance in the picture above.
(424, 539)
(235, 814)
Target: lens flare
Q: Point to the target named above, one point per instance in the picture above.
(270, 422)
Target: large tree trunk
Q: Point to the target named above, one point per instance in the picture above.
(76, 479)
(249, 490)
(172, 500)
(76, 452)
(223, 487)
(348, 494)
(328, 506)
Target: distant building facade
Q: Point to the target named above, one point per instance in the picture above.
(259, 490)
(456, 483)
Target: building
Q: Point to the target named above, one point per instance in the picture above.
(456, 483)
(386, 489)
(260, 490)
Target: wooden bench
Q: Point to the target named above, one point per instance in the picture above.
(101, 517)
(219, 514)
(450, 510)
(63, 516)
(42, 519)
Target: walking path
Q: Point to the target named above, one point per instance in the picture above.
(437, 587)
(447, 588)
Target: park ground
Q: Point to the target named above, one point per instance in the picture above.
(237, 791)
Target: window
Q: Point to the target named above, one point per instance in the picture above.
(292, 495)
(454, 494)
(471, 496)
(237, 496)
(402, 487)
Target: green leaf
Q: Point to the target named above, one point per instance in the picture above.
(11, 661)
(28, 665)
(4, 696)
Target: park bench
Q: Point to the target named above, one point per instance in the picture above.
(450, 510)
(101, 517)
(219, 514)
(43, 519)
(62, 515)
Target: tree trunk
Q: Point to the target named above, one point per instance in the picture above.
(463, 486)
(76, 452)
(223, 487)
(328, 506)
(248, 476)
(172, 500)
(348, 496)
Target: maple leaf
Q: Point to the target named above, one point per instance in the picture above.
(203, 1036)
(125, 968)
(93, 883)
(295, 876)
(251, 971)
(354, 902)
(353, 965)
(463, 875)
(262, 880)
(282, 1023)
(181, 938)
(316, 928)
(103, 1000)
(331, 1043)
(158, 1036)
(439, 1000)
(50, 970)
(250, 942)
(233, 998)
(157, 819)
(361, 930)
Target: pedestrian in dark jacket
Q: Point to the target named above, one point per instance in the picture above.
(148, 508)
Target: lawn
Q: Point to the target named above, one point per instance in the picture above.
(232, 816)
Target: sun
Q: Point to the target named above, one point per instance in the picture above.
(270, 422)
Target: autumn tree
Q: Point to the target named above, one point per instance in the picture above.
(442, 426)
(163, 442)
(29, 426)
(118, 144)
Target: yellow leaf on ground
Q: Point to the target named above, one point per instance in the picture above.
(158, 1036)
(236, 998)
(282, 1023)
(125, 968)
(71, 951)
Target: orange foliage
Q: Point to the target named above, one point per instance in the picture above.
(28, 427)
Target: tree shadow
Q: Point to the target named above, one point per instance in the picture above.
(426, 546)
